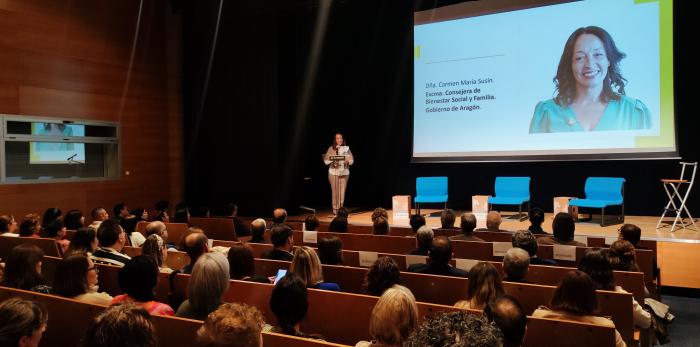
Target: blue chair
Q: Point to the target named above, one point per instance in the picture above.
(602, 192)
(512, 191)
(430, 190)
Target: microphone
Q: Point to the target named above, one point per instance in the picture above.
(72, 156)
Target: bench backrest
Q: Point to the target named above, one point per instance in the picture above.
(176, 231)
(216, 228)
(49, 246)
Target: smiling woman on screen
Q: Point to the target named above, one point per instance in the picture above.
(591, 89)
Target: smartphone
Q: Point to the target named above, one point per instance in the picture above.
(280, 274)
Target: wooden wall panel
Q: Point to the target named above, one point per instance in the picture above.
(68, 58)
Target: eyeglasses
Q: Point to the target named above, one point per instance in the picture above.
(94, 268)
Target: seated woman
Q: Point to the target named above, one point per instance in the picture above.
(84, 242)
(206, 288)
(339, 224)
(23, 269)
(121, 325)
(330, 251)
(575, 300)
(129, 225)
(30, 226)
(155, 248)
(623, 256)
(597, 265)
(242, 264)
(232, 325)
(307, 265)
(74, 220)
(484, 285)
(8, 226)
(51, 214)
(22, 322)
(394, 318)
(383, 274)
(138, 279)
(55, 230)
(289, 303)
(76, 278)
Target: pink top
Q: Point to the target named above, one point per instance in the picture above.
(153, 307)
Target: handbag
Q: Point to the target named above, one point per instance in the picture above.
(661, 317)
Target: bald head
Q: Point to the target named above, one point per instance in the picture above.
(441, 251)
(493, 220)
(279, 215)
(157, 228)
(196, 245)
(509, 316)
(515, 263)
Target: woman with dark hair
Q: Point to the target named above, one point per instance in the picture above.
(484, 285)
(76, 278)
(22, 322)
(129, 224)
(182, 214)
(74, 220)
(30, 226)
(138, 279)
(55, 230)
(383, 274)
(23, 269)
(8, 226)
(330, 251)
(338, 171)
(338, 225)
(575, 300)
(623, 256)
(289, 302)
(597, 265)
(242, 264)
(591, 89)
(140, 213)
(155, 248)
(84, 241)
(50, 215)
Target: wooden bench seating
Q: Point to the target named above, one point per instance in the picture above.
(176, 259)
(49, 246)
(216, 228)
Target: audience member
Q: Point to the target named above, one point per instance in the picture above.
(394, 318)
(200, 212)
(84, 242)
(515, 265)
(484, 285)
(22, 322)
(380, 226)
(289, 303)
(536, 217)
(23, 269)
(242, 264)
(383, 274)
(339, 224)
(76, 277)
(195, 244)
(623, 256)
(162, 208)
(493, 222)
(121, 325)
(440, 256)
(120, 211)
(632, 234)
(232, 325)
(257, 230)
(596, 264)
(343, 212)
(8, 226)
(575, 300)
(279, 217)
(526, 240)
(74, 220)
(129, 223)
(231, 211)
(282, 241)
(112, 239)
(182, 214)
(30, 226)
(159, 228)
(307, 265)
(138, 279)
(467, 225)
(456, 329)
(379, 212)
(424, 241)
(51, 214)
(311, 223)
(99, 215)
(154, 247)
(330, 251)
(140, 213)
(210, 280)
(55, 230)
(416, 221)
(447, 219)
(563, 228)
(510, 317)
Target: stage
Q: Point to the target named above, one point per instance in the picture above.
(678, 251)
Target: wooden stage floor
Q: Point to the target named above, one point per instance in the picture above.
(678, 251)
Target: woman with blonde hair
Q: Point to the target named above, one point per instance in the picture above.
(307, 265)
(484, 285)
(394, 318)
(210, 280)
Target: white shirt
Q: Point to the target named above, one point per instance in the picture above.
(342, 170)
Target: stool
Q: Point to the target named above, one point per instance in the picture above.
(678, 191)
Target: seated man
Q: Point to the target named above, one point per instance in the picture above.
(279, 217)
(112, 239)
(257, 230)
(380, 226)
(424, 240)
(467, 224)
(416, 222)
(493, 222)
(515, 264)
(282, 241)
(196, 244)
(440, 256)
(99, 215)
(447, 219)
(509, 316)
(563, 227)
(536, 219)
(159, 228)
(525, 240)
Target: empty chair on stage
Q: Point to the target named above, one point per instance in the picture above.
(603, 192)
(512, 191)
(431, 190)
